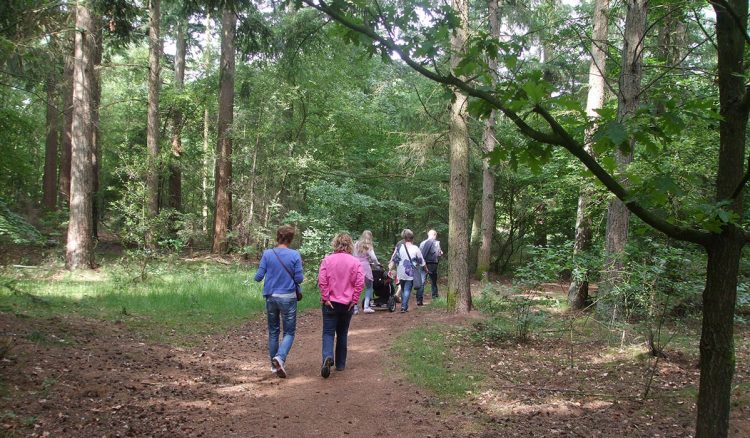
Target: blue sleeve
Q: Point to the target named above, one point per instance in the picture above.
(261, 268)
(299, 274)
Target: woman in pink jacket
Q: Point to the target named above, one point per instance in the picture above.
(341, 280)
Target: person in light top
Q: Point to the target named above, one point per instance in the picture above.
(365, 253)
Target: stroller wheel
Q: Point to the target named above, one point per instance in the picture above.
(391, 303)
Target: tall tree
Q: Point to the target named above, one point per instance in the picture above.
(459, 294)
(618, 216)
(80, 253)
(578, 292)
(96, 140)
(222, 190)
(175, 169)
(67, 128)
(49, 180)
(488, 145)
(152, 129)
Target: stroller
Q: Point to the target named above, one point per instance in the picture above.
(383, 289)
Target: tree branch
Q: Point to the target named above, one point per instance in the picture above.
(559, 135)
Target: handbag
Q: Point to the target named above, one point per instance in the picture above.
(297, 290)
(418, 279)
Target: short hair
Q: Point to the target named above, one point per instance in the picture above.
(407, 235)
(342, 243)
(432, 234)
(285, 234)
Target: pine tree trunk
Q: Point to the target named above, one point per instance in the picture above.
(49, 180)
(488, 145)
(175, 168)
(206, 119)
(152, 129)
(578, 292)
(717, 358)
(96, 138)
(476, 236)
(67, 131)
(222, 193)
(608, 305)
(79, 250)
(459, 294)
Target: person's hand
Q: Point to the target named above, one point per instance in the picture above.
(328, 303)
(351, 305)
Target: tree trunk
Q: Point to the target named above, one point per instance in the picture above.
(67, 131)
(96, 138)
(222, 193)
(49, 180)
(488, 145)
(175, 168)
(719, 296)
(476, 236)
(609, 306)
(152, 129)
(578, 292)
(79, 251)
(459, 294)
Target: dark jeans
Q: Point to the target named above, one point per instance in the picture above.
(432, 269)
(336, 323)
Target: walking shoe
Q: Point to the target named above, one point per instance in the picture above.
(356, 309)
(279, 364)
(325, 371)
(368, 310)
(419, 303)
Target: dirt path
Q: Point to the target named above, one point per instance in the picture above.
(109, 383)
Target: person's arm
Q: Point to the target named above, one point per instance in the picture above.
(420, 258)
(373, 257)
(325, 293)
(299, 273)
(438, 251)
(261, 272)
(359, 283)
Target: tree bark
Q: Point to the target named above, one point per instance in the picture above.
(717, 336)
(152, 129)
(578, 292)
(49, 180)
(96, 138)
(175, 168)
(222, 193)
(67, 132)
(476, 236)
(459, 294)
(488, 145)
(608, 305)
(79, 250)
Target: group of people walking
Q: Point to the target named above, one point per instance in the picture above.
(343, 276)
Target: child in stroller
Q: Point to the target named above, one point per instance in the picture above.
(384, 291)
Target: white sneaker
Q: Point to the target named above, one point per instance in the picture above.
(369, 310)
(279, 364)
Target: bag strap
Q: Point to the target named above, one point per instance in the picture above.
(406, 248)
(285, 267)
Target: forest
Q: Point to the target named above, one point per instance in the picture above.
(583, 164)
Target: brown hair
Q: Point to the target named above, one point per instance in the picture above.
(285, 234)
(342, 243)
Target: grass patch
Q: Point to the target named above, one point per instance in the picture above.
(425, 356)
(177, 302)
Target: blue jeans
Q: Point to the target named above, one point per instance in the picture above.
(406, 286)
(336, 323)
(368, 293)
(279, 309)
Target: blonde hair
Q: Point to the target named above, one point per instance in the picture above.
(364, 244)
(342, 243)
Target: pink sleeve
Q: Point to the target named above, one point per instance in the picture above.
(359, 282)
(323, 282)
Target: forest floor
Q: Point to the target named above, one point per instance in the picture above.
(72, 376)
